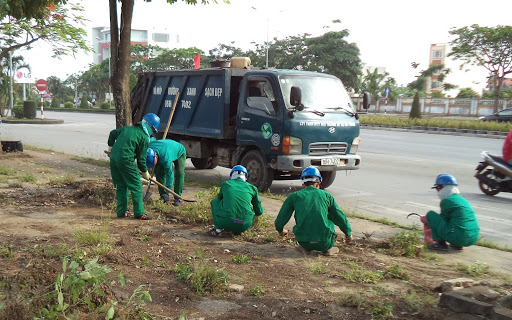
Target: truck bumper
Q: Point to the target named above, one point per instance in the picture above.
(323, 163)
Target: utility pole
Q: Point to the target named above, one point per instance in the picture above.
(11, 97)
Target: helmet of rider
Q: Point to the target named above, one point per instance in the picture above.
(153, 120)
(311, 174)
(239, 172)
(151, 158)
(444, 179)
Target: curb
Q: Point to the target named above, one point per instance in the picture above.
(445, 131)
(44, 121)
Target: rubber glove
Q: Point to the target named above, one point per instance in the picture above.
(146, 175)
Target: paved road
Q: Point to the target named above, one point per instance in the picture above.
(397, 170)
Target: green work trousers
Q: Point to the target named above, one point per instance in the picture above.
(126, 178)
(176, 176)
(319, 245)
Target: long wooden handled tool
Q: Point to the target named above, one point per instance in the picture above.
(172, 192)
(172, 114)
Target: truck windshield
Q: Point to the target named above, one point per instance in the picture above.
(319, 93)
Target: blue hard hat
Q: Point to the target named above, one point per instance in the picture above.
(309, 173)
(153, 120)
(150, 158)
(239, 169)
(445, 179)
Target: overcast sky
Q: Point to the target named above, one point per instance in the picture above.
(389, 34)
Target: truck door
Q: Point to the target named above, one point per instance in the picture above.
(259, 120)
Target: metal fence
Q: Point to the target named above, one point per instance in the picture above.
(430, 106)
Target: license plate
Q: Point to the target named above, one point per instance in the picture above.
(331, 162)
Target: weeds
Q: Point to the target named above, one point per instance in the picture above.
(240, 259)
(257, 290)
(318, 268)
(182, 271)
(378, 311)
(29, 177)
(6, 171)
(395, 272)
(96, 162)
(62, 181)
(15, 185)
(6, 251)
(405, 243)
(476, 270)
(201, 211)
(360, 274)
(490, 244)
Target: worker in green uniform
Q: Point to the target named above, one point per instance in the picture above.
(316, 213)
(231, 210)
(164, 155)
(127, 144)
(457, 223)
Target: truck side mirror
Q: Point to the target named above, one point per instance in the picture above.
(296, 98)
(367, 100)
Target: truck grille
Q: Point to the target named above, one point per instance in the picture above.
(321, 148)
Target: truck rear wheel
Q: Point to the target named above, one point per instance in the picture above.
(204, 163)
(259, 175)
(327, 178)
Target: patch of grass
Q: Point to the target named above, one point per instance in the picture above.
(145, 262)
(55, 252)
(96, 162)
(476, 270)
(489, 244)
(358, 273)
(384, 221)
(270, 195)
(62, 181)
(15, 185)
(257, 291)
(395, 272)
(405, 243)
(91, 238)
(6, 171)
(28, 177)
(34, 148)
(6, 251)
(416, 301)
(318, 268)
(200, 212)
(240, 259)
(182, 271)
(44, 170)
(3, 179)
(206, 278)
(261, 222)
(378, 310)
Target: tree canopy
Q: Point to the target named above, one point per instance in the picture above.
(489, 47)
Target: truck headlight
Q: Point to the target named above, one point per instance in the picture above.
(355, 145)
(292, 145)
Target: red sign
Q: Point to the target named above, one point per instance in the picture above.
(41, 85)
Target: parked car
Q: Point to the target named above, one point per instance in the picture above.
(500, 116)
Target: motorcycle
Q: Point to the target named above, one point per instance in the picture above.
(494, 174)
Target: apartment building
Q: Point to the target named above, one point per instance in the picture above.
(436, 57)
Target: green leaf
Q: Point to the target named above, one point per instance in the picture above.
(110, 313)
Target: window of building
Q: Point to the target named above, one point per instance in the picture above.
(160, 37)
(139, 36)
(106, 53)
(436, 84)
(437, 54)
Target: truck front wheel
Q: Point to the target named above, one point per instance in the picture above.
(327, 178)
(259, 175)
(203, 163)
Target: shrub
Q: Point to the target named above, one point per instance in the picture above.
(105, 106)
(84, 102)
(415, 108)
(46, 104)
(29, 109)
(55, 103)
(68, 105)
(17, 111)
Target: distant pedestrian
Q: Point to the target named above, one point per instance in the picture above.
(168, 157)
(316, 213)
(231, 210)
(457, 223)
(127, 144)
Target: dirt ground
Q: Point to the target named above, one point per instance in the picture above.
(47, 200)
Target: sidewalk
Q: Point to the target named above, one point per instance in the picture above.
(497, 260)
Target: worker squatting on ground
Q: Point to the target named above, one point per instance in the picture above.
(231, 210)
(316, 213)
(125, 145)
(457, 222)
(164, 155)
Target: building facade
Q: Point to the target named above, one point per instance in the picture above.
(436, 57)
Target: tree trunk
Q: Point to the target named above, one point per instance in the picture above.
(120, 60)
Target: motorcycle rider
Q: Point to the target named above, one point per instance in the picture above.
(457, 223)
(507, 148)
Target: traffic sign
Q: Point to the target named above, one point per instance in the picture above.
(41, 85)
(387, 92)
